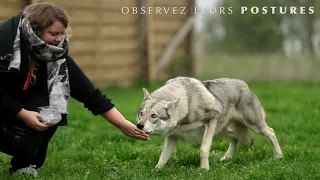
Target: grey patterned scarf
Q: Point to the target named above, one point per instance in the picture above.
(57, 70)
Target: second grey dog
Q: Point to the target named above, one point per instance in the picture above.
(192, 110)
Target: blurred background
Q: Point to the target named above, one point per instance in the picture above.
(262, 47)
(122, 42)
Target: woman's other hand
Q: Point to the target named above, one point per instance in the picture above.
(32, 119)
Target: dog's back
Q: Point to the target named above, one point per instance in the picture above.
(229, 91)
(237, 100)
(226, 90)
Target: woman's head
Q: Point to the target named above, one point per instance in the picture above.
(48, 21)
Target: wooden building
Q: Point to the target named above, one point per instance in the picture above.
(117, 42)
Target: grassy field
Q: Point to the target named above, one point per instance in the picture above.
(262, 67)
(90, 148)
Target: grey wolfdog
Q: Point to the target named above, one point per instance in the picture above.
(192, 110)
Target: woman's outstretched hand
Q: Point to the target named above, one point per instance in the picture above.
(129, 129)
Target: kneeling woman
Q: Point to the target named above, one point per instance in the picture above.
(36, 71)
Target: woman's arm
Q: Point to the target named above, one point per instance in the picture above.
(129, 129)
(84, 91)
(9, 105)
(12, 108)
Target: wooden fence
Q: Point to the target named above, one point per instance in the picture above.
(114, 46)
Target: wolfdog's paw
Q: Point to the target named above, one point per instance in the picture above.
(204, 167)
(225, 158)
(158, 166)
(278, 156)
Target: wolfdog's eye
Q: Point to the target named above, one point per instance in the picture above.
(154, 116)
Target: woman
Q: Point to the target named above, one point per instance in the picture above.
(36, 71)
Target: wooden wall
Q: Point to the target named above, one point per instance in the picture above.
(105, 43)
(165, 26)
(9, 8)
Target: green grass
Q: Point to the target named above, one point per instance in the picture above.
(271, 67)
(91, 148)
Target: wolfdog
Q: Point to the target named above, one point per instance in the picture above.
(188, 109)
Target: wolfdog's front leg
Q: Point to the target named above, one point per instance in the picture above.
(206, 143)
(169, 143)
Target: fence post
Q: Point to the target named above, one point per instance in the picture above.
(189, 48)
(150, 35)
(143, 43)
(147, 59)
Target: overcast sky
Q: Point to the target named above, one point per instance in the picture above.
(206, 3)
(203, 3)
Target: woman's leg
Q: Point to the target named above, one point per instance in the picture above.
(38, 159)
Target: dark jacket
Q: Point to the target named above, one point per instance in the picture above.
(13, 98)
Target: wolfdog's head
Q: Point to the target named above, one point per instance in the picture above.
(156, 115)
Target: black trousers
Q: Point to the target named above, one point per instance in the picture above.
(25, 146)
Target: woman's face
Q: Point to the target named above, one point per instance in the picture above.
(53, 34)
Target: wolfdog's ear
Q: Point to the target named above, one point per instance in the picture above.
(173, 104)
(146, 94)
